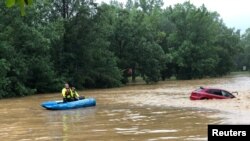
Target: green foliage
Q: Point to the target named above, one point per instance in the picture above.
(10, 3)
(86, 59)
(243, 59)
(101, 46)
(21, 3)
(4, 83)
(25, 51)
(152, 62)
(199, 44)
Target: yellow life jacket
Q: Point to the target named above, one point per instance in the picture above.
(75, 94)
(67, 93)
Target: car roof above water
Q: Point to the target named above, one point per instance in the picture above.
(208, 88)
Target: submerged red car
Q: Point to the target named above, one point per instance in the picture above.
(210, 93)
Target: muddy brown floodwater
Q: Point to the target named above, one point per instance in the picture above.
(161, 111)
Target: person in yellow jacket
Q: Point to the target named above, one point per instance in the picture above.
(75, 94)
(67, 93)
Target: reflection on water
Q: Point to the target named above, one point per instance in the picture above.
(143, 112)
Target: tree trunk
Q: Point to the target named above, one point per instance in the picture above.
(133, 74)
(65, 9)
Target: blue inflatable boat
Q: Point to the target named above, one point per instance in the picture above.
(60, 105)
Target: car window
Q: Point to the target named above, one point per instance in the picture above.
(214, 91)
(218, 92)
(209, 91)
(225, 93)
(198, 90)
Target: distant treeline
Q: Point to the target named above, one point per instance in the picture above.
(100, 45)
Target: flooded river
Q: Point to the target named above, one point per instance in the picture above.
(155, 112)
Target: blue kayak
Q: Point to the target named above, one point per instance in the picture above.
(60, 105)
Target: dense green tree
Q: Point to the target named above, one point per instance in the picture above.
(243, 59)
(199, 44)
(134, 44)
(92, 45)
(25, 49)
(21, 3)
(87, 59)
